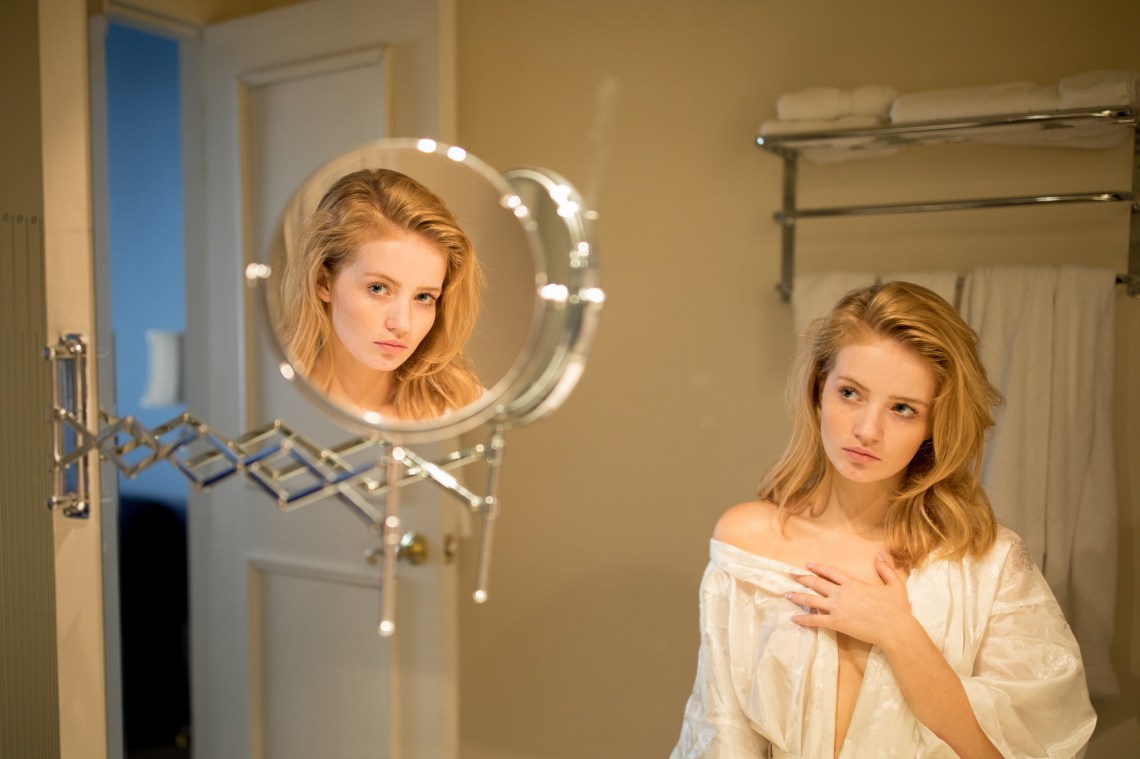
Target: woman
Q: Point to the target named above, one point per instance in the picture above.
(868, 604)
(380, 298)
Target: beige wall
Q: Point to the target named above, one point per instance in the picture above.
(587, 646)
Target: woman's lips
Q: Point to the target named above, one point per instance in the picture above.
(390, 346)
(858, 454)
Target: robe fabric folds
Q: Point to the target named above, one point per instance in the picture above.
(766, 686)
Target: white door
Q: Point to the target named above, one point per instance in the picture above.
(285, 657)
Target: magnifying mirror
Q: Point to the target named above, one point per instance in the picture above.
(414, 291)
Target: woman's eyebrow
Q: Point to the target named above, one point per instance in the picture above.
(381, 275)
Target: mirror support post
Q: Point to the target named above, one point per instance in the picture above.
(490, 512)
(394, 457)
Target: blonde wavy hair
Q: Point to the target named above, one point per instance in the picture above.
(940, 508)
(374, 204)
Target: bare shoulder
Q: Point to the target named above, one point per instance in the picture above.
(752, 526)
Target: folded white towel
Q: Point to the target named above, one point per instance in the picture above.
(1098, 88)
(842, 148)
(971, 102)
(774, 127)
(816, 103)
(1087, 136)
(814, 295)
(873, 100)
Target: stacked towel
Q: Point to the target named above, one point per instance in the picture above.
(1099, 88)
(842, 148)
(774, 127)
(973, 102)
(826, 109)
(823, 103)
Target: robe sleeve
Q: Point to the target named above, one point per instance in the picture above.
(1027, 688)
(715, 726)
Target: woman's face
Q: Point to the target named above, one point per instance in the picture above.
(382, 303)
(875, 410)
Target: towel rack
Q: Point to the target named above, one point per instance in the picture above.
(789, 147)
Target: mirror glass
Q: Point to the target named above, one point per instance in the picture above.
(403, 289)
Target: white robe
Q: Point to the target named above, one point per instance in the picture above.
(766, 684)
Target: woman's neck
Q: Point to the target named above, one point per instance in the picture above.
(349, 383)
(861, 507)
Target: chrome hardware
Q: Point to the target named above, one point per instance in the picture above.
(71, 441)
(789, 147)
(364, 474)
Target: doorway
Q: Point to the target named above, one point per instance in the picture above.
(147, 314)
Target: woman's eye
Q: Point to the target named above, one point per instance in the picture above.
(426, 298)
(905, 410)
(377, 288)
(847, 392)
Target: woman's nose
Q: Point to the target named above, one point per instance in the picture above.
(398, 317)
(868, 427)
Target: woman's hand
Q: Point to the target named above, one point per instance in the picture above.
(869, 612)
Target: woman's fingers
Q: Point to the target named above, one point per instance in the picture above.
(885, 570)
(813, 620)
(809, 602)
(811, 581)
(828, 572)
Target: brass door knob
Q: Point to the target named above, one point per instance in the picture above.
(412, 548)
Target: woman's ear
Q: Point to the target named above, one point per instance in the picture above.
(323, 283)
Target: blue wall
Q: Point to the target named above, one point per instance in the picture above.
(146, 224)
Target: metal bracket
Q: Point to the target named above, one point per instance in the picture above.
(71, 441)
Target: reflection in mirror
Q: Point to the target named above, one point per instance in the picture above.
(399, 307)
(380, 296)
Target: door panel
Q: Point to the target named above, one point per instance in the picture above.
(329, 652)
(285, 657)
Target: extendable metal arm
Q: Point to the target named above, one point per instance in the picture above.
(364, 473)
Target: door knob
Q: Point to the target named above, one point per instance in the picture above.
(412, 548)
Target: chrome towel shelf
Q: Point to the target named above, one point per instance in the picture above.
(1077, 124)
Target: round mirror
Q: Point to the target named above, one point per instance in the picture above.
(414, 291)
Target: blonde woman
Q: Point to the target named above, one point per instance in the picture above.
(868, 605)
(380, 298)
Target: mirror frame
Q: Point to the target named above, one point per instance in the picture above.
(569, 308)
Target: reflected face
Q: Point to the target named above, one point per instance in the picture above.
(382, 303)
(875, 410)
